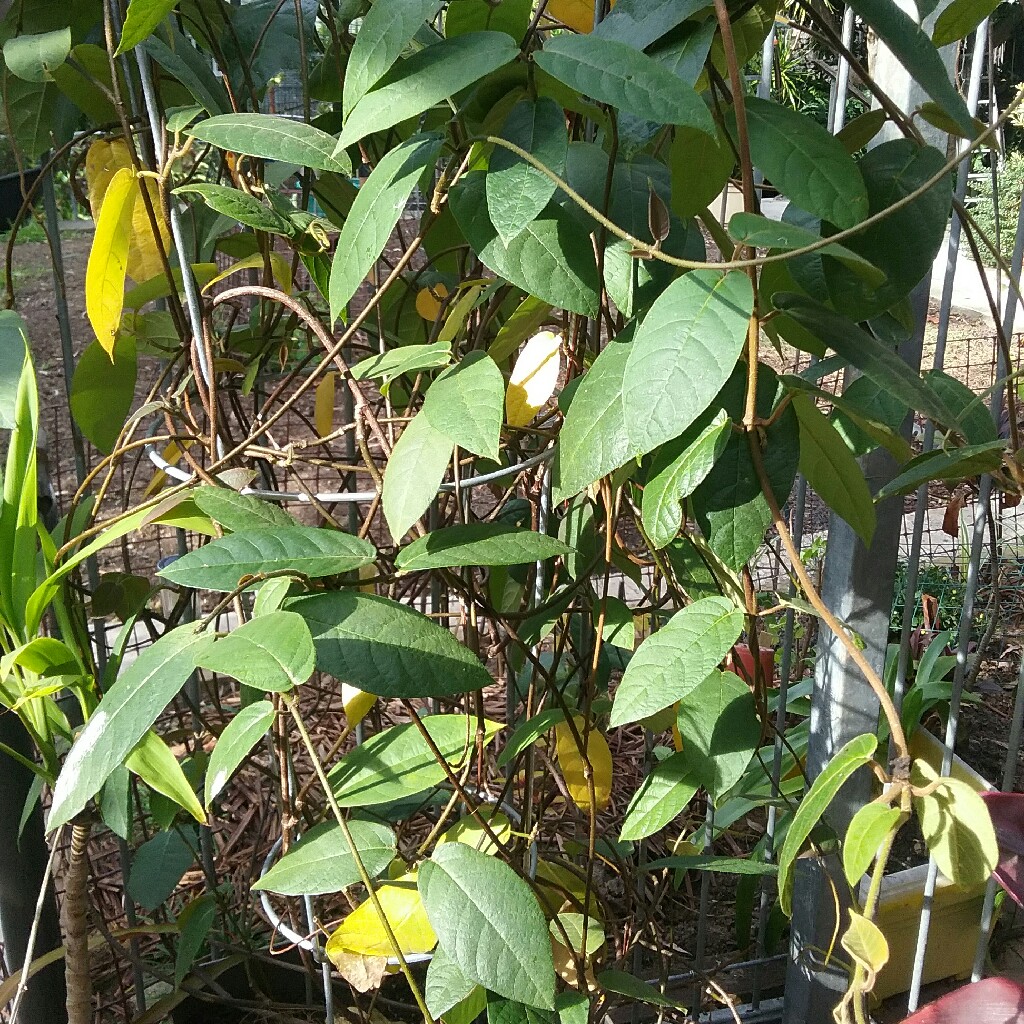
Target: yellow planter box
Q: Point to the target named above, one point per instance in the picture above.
(956, 911)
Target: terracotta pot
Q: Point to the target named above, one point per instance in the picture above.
(741, 661)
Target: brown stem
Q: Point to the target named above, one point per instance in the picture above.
(76, 929)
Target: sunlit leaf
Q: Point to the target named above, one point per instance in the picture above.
(574, 764)
(534, 378)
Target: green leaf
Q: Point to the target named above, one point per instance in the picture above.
(904, 244)
(806, 163)
(274, 652)
(946, 464)
(13, 348)
(832, 471)
(659, 799)
(670, 663)
(142, 18)
(407, 359)
(915, 51)
(489, 922)
(427, 77)
(34, 57)
(235, 744)
(869, 355)
(593, 440)
(701, 165)
(511, 16)
(505, 1011)
(844, 763)
(478, 544)
(869, 826)
(194, 924)
(726, 865)
(866, 415)
(414, 472)
(123, 717)
(619, 628)
(273, 138)
(683, 354)
(383, 35)
(676, 471)
(154, 763)
(765, 233)
(238, 205)
(530, 314)
(528, 733)
(622, 984)
(33, 112)
(856, 134)
(552, 258)
(720, 730)
(623, 77)
(639, 23)
(157, 868)
(237, 512)
(322, 862)
(446, 985)
(102, 391)
(959, 19)
(191, 68)
(375, 212)
(387, 648)
(516, 191)
(975, 419)
(305, 550)
(467, 404)
(956, 826)
(397, 763)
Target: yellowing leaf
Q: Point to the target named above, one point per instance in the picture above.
(323, 407)
(108, 258)
(865, 942)
(429, 300)
(470, 832)
(357, 703)
(363, 933)
(573, 767)
(279, 267)
(367, 572)
(103, 160)
(534, 378)
(577, 14)
(565, 967)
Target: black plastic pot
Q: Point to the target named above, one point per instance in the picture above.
(257, 980)
(11, 196)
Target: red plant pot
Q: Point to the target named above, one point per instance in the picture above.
(741, 661)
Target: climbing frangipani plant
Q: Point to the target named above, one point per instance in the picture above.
(551, 370)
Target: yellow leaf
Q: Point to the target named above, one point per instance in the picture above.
(103, 160)
(279, 267)
(865, 942)
(367, 572)
(362, 932)
(663, 720)
(323, 407)
(573, 768)
(470, 832)
(105, 273)
(534, 378)
(429, 300)
(357, 703)
(577, 14)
